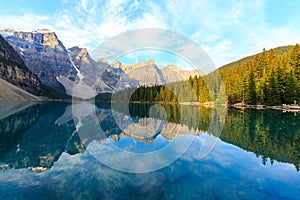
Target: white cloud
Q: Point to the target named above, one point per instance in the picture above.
(227, 30)
(27, 22)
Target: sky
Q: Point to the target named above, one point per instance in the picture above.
(226, 30)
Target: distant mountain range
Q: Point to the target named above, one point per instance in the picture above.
(148, 73)
(39, 63)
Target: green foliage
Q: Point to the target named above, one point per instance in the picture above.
(291, 89)
(270, 77)
(192, 90)
(250, 89)
(272, 90)
(295, 61)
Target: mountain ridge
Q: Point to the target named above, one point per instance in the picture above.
(46, 56)
(60, 69)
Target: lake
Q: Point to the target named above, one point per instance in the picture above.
(60, 150)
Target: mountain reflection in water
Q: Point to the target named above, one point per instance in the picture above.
(255, 148)
(37, 135)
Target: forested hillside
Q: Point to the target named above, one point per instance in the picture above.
(271, 78)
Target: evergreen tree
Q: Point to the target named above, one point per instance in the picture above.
(281, 79)
(262, 64)
(250, 89)
(272, 91)
(167, 94)
(271, 77)
(291, 89)
(196, 86)
(162, 94)
(151, 90)
(295, 61)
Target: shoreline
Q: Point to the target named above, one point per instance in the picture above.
(285, 108)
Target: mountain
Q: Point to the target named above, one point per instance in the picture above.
(58, 68)
(74, 72)
(147, 73)
(16, 78)
(94, 77)
(88, 75)
(10, 92)
(43, 53)
(112, 77)
(172, 73)
(270, 78)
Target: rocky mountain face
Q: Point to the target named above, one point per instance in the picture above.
(147, 73)
(62, 69)
(88, 79)
(94, 76)
(113, 77)
(43, 53)
(173, 73)
(14, 70)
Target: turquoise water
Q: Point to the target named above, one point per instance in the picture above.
(51, 151)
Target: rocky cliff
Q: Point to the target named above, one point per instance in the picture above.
(14, 70)
(99, 76)
(147, 73)
(43, 53)
(173, 73)
(47, 58)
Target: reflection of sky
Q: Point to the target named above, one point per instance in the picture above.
(228, 172)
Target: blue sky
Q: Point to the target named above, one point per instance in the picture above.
(227, 30)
